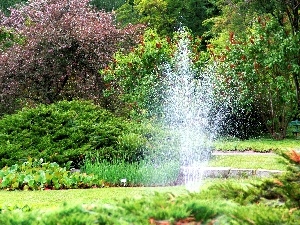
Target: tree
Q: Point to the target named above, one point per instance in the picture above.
(283, 11)
(134, 80)
(65, 44)
(107, 5)
(5, 5)
(167, 16)
(237, 15)
(257, 71)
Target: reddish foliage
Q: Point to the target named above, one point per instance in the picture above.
(158, 45)
(66, 43)
(231, 38)
(278, 182)
(294, 156)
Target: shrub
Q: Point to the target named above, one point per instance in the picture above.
(67, 131)
(282, 190)
(66, 43)
(285, 187)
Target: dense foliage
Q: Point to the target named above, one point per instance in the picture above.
(259, 71)
(65, 43)
(67, 131)
(285, 188)
(53, 51)
(136, 81)
(167, 16)
(107, 5)
(6, 5)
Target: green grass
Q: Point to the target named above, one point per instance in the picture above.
(49, 200)
(143, 173)
(136, 205)
(55, 198)
(257, 144)
(270, 162)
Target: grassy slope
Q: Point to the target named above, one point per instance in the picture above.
(248, 161)
(258, 145)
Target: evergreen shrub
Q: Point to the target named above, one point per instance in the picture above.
(67, 131)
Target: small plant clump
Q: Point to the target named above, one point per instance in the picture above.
(38, 175)
(142, 173)
(281, 191)
(286, 187)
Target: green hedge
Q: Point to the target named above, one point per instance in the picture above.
(67, 131)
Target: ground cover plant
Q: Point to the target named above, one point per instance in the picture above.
(36, 175)
(67, 131)
(231, 201)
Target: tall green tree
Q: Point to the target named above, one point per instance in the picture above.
(257, 71)
(287, 13)
(238, 15)
(107, 5)
(166, 16)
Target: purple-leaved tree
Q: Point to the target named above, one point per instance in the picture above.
(61, 46)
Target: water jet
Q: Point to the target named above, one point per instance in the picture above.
(187, 105)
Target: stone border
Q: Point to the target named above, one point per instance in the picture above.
(220, 153)
(225, 172)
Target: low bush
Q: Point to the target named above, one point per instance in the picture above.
(285, 188)
(67, 131)
(36, 175)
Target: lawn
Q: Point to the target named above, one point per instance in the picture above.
(54, 198)
(122, 206)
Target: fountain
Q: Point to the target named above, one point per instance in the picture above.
(187, 104)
